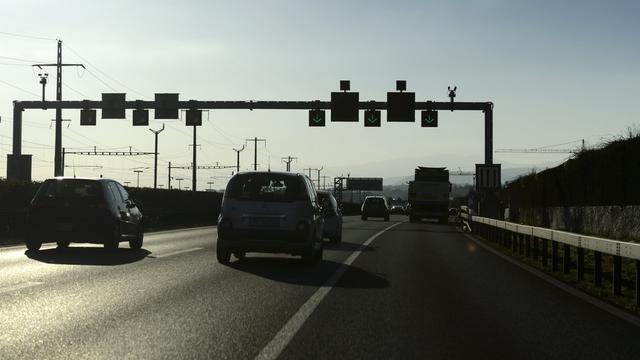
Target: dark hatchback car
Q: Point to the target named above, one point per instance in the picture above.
(97, 211)
(375, 206)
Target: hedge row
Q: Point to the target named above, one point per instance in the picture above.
(600, 177)
(162, 209)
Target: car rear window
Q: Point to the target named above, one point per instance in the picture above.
(70, 188)
(374, 201)
(266, 187)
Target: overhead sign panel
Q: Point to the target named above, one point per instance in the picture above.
(488, 177)
(372, 118)
(87, 117)
(344, 106)
(140, 117)
(166, 106)
(429, 118)
(316, 118)
(401, 107)
(364, 184)
(113, 105)
(194, 117)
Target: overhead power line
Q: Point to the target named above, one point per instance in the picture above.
(27, 36)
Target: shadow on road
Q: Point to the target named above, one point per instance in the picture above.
(88, 256)
(348, 246)
(292, 271)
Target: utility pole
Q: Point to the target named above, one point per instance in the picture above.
(138, 173)
(324, 181)
(193, 164)
(238, 158)
(169, 177)
(58, 169)
(179, 183)
(319, 175)
(43, 81)
(155, 160)
(210, 183)
(287, 160)
(126, 183)
(255, 151)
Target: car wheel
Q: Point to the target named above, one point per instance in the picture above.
(240, 255)
(62, 244)
(114, 242)
(136, 244)
(222, 253)
(33, 244)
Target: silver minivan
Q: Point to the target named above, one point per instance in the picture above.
(270, 212)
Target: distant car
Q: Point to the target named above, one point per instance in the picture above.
(84, 210)
(375, 206)
(332, 217)
(270, 212)
(397, 209)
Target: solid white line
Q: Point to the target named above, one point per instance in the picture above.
(611, 309)
(289, 330)
(20, 286)
(178, 252)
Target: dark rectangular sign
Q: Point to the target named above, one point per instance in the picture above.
(345, 106)
(113, 105)
(372, 118)
(401, 106)
(364, 184)
(87, 117)
(429, 118)
(166, 106)
(316, 118)
(194, 117)
(488, 177)
(140, 117)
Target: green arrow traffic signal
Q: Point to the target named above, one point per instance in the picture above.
(429, 118)
(316, 118)
(372, 118)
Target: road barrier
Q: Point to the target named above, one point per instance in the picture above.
(533, 242)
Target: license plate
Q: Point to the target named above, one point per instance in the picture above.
(264, 222)
(64, 227)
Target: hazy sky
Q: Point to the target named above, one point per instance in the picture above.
(557, 71)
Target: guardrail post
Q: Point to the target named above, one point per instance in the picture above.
(597, 268)
(527, 240)
(617, 275)
(536, 247)
(514, 241)
(566, 258)
(545, 252)
(554, 255)
(580, 264)
(520, 244)
(637, 282)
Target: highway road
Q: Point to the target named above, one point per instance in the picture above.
(411, 291)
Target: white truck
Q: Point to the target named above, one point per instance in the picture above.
(429, 194)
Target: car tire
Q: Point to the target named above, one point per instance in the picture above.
(222, 253)
(114, 242)
(33, 244)
(240, 255)
(62, 244)
(136, 244)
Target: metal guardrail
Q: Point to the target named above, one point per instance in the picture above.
(533, 241)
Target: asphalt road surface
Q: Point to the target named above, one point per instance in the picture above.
(421, 291)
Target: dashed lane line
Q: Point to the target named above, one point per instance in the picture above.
(289, 330)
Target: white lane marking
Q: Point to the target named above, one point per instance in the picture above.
(19, 286)
(602, 305)
(178, 252)
(289, 330)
